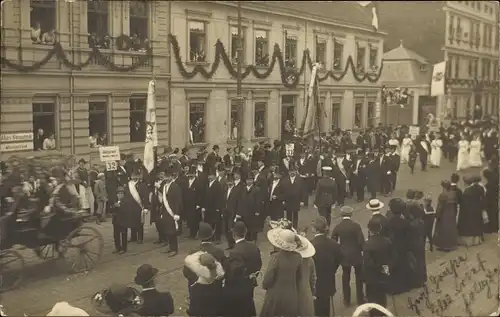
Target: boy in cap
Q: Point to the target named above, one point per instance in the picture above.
(120, 222)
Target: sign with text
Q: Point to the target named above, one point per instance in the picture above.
(463, 283)
(111, 166)
(414, 131)
(289, 149)
(14, 147)
(109, 153)
(16, 137)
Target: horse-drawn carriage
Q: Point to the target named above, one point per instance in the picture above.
(24, 223)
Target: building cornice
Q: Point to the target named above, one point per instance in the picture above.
(303, 16)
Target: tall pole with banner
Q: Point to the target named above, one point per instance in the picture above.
(239, 97)
(151, 139)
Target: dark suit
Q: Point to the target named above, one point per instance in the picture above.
(327, 259)
(211, 249)
(166, 222)
(340, 175)
(190, 199)
(384, 223)
(295, 193)
(244, 259)
(358, 178)
(276, 200)
(231, 201)
(385, 174)
(326, 196)
(373, 178)
(377, 254)
(156, 303)
(135, 209)
(213, 205)
(351, 239)
(249, 209)
(395, 164)
(262, 181)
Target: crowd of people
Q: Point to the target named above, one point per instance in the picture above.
(232, 197)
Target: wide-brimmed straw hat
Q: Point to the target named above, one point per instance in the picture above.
(287, 240)
(65, 309)
(374, 205)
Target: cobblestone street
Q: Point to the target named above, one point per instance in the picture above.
(463, 282)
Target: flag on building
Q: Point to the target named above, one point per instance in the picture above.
(311, 122)
(438, 79)
(373, 5)
(151, 140)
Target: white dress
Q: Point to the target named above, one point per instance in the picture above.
(463, 155)
(475, 154)
(436, 152)
(405, 150)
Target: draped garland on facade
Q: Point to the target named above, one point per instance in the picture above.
(289, 77)
(95, 55)
(473, 83)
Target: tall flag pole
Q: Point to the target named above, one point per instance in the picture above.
(151, 141)
(311, 105)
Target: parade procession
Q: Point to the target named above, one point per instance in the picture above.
(340, 172)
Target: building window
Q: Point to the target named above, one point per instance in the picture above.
(373, 58)
(486, 69)
(233, 134)
(471, 34)
(449, 68)
(44, 126)
(288, 105)
(197, 122)
(260, 122)
(457, 66)
(360, 58)
(338, 51)
(197, 41)
(235, 44)
(290, 51)
(97, 24)
(261, 48)
(321, 51)
(476, 68)
(335, 115)
(98, 123)
(451, 29)
(485, 35)
(495, 70)
(470, 68)
(371, 114)
(43, 21)
(358, 115)
(458, 31)
(137, 119)
(139, 25)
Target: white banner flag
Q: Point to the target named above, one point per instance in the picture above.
(438, 79)
(151, 140)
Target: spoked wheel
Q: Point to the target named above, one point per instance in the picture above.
(11, 270)
(46, 252)
(82, 249)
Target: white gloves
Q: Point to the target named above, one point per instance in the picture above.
(176, 217)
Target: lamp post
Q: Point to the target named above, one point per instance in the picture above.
(239, 97)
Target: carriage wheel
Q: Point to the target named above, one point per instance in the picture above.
(48, 251)
(82, 249)
(11, 270)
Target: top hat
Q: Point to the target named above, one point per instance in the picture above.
(205, 231)
(374, 205)
(145, 273)
(82, 160)
(215, 147)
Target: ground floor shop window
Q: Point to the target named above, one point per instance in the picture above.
(197, 122)
(44, 126)
(260, 121)
(98, 123)
(358, 115)
(233, 133)
(335, 115)
(137, 119)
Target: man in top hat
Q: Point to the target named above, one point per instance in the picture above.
(372, 173)
(169, 197)
(377, 258)
(326, 194)
(358, 175)
(221, 175)
(154, 303)
(395, 164)
(205, 234)
(375, 206)
(276, 197)
(296, 195)
(228, 158)
(122, 173)
(327, 259)
(185, 159)
(262, 180)
(191, 195)
(136, 200)
(249, 208)
(385, 171)
(212, 204)
(341, 173)
(286, 163)
(231, 200)
(213, 157)
(121, 222)
(352, 240)
(243, 267)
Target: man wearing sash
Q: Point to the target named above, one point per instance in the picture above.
(341, 178)
(169, 197)
(424, 149)
(136, 198)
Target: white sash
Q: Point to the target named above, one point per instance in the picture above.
(424, 145)
(134, 193)
(167, 206)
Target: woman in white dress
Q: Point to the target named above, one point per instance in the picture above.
(405, 148)
(436, 151)
(393, 141)
(463, 154)
(475, 152)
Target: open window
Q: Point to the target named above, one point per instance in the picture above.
(97, 24)
(43, 21)
(98, 123)
(139, 25)
(197, 122)
(197, 41)
(261, 48)
(44, 126)
(138, 118)
(260, 119)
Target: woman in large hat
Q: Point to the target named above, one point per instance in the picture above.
(284, 274)
(206, 295)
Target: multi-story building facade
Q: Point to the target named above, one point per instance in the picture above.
(203, 107)
(114, 47)
(462, 33)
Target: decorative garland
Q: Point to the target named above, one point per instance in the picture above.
(95, 54)
(289, 78)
